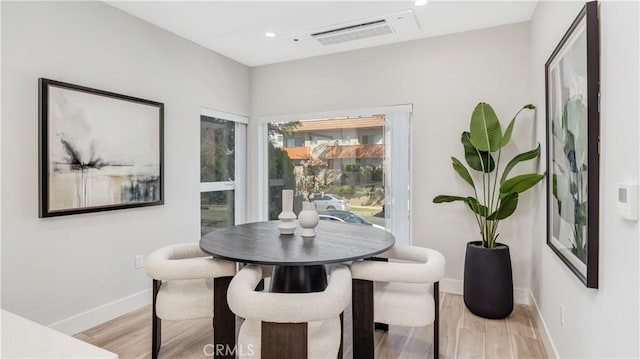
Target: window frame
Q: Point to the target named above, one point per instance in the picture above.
(239, 183)
(401, 137)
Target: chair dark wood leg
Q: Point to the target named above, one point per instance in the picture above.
(340, 349)
(362, 294)
(284, 341)
(381, 326)
(436, 322)
(156, 323)
(224, 321)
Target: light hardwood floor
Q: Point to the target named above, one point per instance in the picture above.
(462, 335)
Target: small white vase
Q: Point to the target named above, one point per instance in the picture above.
(308, 219)
(287, 218)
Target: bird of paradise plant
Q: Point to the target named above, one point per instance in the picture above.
(497, 197)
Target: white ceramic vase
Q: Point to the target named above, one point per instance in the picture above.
(287, 218)
(308, 219)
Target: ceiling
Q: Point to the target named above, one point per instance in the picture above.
(236, 29)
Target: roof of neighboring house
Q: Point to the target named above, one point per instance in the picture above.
(298, 153)
(364, 122)
(338, 152)
(355, 151)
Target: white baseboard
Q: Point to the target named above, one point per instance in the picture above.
(550, 348)
(455, 286)
(89, 319)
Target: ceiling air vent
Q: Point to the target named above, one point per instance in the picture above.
(353, 32)
(399, 23)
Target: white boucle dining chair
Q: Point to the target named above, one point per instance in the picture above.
(289, 325)
(190, 284)
(403, 293)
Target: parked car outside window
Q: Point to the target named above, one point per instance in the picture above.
(328, 201)
(345, 216)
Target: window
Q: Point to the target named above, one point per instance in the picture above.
(277, 138)
(222, 161)
(370, 183)
(293, 142)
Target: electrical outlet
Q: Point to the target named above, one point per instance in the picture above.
(139, 261)
(562, 316)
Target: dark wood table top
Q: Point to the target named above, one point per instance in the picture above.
(262, 243)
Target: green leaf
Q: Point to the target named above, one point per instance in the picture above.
(476, 206)
(462, 171)
(507, 206)
(507, 133)
(448, 198)
(525, 156)
(519, 184)
(470, 201)
(485, 130)
(476, 159)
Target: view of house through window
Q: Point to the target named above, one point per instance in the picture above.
(345, 159)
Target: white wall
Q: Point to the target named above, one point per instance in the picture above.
(56, 268)
(599, 323)
(444, 78)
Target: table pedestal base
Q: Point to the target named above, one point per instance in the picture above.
(298, 279)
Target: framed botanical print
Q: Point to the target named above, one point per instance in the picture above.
(99, 150)
(573, 131)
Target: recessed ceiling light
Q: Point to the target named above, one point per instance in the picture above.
(420, 2)
(270, 34)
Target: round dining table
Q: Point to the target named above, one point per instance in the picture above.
(298, 262)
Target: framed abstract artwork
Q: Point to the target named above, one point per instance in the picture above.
(99, 150)
(573, 134)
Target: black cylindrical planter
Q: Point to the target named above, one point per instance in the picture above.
(488, 281)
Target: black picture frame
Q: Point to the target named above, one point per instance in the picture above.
(98, 150)
(572, 89)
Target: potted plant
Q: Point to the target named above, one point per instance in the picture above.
(488, 282)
